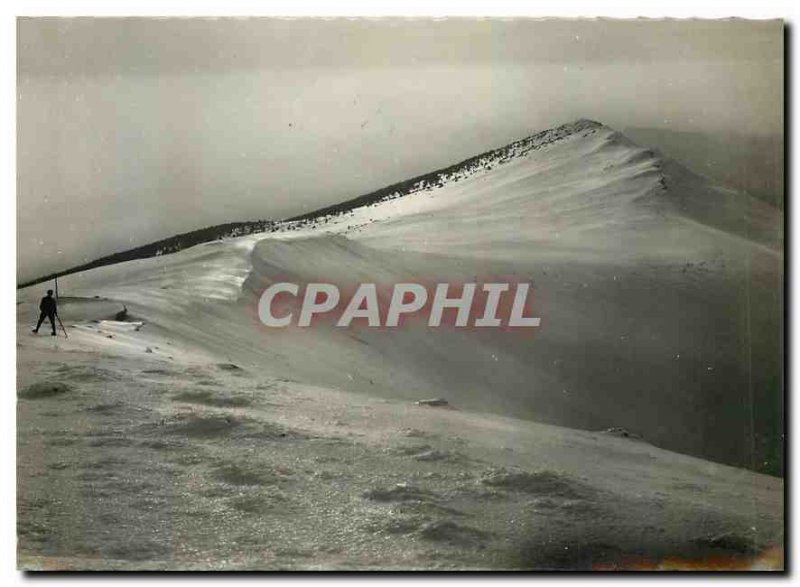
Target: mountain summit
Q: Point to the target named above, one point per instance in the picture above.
(562, 183)
(658, 292)
(188, 430)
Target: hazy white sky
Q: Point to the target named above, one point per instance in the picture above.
(130, 130)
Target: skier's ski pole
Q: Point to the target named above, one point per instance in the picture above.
(62, 325)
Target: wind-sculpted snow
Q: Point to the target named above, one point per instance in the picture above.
(128, 474)
(654, 348)
(583, 191)
(206, 273)
(640, 286)
(173, 430)
(454, 173)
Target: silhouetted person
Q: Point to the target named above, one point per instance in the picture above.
(47, 309)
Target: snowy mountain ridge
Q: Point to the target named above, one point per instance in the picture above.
(640, 425)
(633, 261)
(621, 159)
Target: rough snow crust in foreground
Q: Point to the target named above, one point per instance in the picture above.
(202, 439)
(174, 461)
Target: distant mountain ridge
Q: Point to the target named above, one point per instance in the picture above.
(660, 294)
(453, 172)
(457, 171)
(671, 175)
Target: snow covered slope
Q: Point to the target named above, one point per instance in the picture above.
(580, 189)
(186, 435)
(660, 295)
